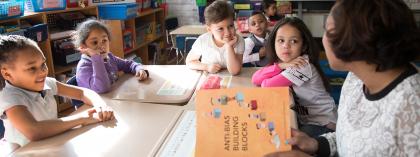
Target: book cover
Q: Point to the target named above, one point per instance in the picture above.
(242, 121)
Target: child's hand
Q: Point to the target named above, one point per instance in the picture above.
(97, 115)
(89, 51)
(141, 75)
(262, 52)
(231, 41)
(297, 63)
(213, 68)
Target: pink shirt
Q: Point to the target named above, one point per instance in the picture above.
(270, 76)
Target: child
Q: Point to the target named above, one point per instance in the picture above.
(294, 58)
(270, 11)
(254, 54)
(98, 68)
(28, 107)
(220, 47)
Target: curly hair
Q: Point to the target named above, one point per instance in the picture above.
(10, 46)
(380, 32)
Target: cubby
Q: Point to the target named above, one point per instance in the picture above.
(154, 18)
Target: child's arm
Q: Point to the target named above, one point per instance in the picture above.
(248, 57)
(23, 120)
(234, 61)
(193, 59)
(94, 77)
(129, 66)
(270, 77)
(34, 130)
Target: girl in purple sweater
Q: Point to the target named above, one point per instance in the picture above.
(293, 57)
(98, 68)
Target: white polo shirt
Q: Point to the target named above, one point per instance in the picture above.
(205, 47)
(41, 108)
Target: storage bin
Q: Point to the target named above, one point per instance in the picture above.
(335, 78)
(37, 32)
(45, 5)
(11, 9)
(20, 32)
(117, 11)
(64, 52)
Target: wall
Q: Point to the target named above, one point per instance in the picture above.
(185, 10)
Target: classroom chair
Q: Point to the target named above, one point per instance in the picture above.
(171, 24)
(75, 103)
(189, 41)
(1, 129)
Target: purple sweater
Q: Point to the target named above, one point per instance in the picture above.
(96, 74)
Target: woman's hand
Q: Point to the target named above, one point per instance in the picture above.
(303, 145)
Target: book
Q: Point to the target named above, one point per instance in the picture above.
(242, 121)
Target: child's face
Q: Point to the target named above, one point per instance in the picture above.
(288, 43)
(98, 40)
(258, 25)
(222, 31)
(271, 10)
(27, 71)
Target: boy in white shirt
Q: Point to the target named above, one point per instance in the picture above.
(220, 47)
(254, 54)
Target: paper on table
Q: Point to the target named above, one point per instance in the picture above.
(130, 94)
(171, 88)
(182, 142)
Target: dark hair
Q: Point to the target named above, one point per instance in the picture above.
(380, 32)
(255, 12)
(266, 4)
(83, 30)
(309, 46)
(218, 11)
(10, 45)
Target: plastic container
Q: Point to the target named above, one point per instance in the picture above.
(37, 32)
(11, 9)
(117, 11)
(45, 5)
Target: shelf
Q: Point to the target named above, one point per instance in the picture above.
(62, 69)
(148, 12)
(142, 45)
(25, 15)
(70, 10)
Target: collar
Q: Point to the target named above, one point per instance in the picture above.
(32, 94)
(261, 39)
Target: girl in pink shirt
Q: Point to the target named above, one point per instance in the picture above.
(293, 57)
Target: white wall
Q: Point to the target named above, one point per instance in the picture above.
(185, 10)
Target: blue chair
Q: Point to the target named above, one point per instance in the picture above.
(180, 48)
(75, 103)
(1, 129)
(189, 41)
